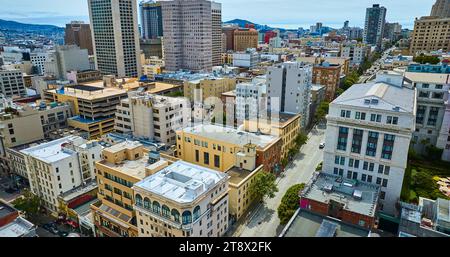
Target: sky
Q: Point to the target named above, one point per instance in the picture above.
(277, 13)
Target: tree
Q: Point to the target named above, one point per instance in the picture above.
(322, 111)
(176, 94)
(434, 153)
(264, 185)
(289, 203)
(29, 203)
(300, 140)
(424, 59)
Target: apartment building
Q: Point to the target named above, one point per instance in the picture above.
(246, 59)
(152, 117)
(122, 166)
(38, 60)
(189, 44)
(12, 83)
(432, 94)
(182, 200)
(375, 25)
(216, 147)
(78, 33)
(368, 135)
(94, 106)
(56, 167)
(283, 125)
(328, 75)
(289, 89)
(115, 34)
(244, 39)
(356, 52)
(251, 101)
(430, 33)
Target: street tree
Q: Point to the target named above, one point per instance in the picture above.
(264, 185)
(289, 203)
(28, 203)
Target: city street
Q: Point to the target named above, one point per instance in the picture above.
(264, 220)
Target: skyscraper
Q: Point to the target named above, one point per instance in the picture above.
(374, 27)
(188, 43)
(441, 9)
(78, 33)
(116, 36)
(151, 20)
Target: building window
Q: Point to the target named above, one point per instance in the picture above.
(165, 211)
(187, 217)
(357, 141)
(342, 139)
(216, 161)
(139, 200)
(432, 117)
(206, 158)
(372, 141)
(197, 156)
(197, 213)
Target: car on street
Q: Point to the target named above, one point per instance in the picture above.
(63, 234)
(51, 227)
(322, 146)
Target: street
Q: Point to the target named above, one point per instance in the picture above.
(264, 221)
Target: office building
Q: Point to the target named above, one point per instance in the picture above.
(151, 20)
(38, 60)
(328, 75)
(12, 83)
(182, 200)
(94, 106)
(65, 59)
(356, 52)
(189, 44)
(207, 88)
(368, 135)
(152, 48)
(289, 89)
(216, 147)
(79, 34)
(430, 34)
(244, 39)
(374, 26)
(229, 30)
(432, 94)
(392, 31)
(247, 59)
(153, 117)
(115, 34)
(58, 166)
(441, 9)
(251, 101)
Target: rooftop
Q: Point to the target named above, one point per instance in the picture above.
(357, 197)
(6, 210)
(308, 224)
(89, 92)
(181, 182)
(20, 227)
(135, 168)
(434, 78)
(52, 151)
(230, 135)
(380, 96)
(238, 175)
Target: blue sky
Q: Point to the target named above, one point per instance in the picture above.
(286, 13)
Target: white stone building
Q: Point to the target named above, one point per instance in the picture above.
(65, 59)
(251, 101)
(368, 135)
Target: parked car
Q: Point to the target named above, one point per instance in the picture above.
(322, 146)
(51, 227)
(63, 234)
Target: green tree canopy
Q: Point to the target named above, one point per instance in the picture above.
(264, 185)
(289, 203)
(29, 203)
(322, 111)
(423, 59)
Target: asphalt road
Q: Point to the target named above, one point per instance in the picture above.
(264, 220)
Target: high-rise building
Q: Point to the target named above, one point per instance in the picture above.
(392, 31)
(188, 43)
(250, 101)
(289, 89)
(441, 9)
(346, 23)
(151, 19)
(356, 52)
(368, 135)
(116, 37)
(78, 33)
(228, 30)
(430, 34)
(328, 75)
(374, 26)
(38, 60)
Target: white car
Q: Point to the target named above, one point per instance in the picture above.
(322, 146)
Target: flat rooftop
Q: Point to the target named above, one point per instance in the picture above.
(181, 182)
(238, 175)
(357, 197)
(157, 87)
(6, 210)
(433, 78)
(134, 168)
(308, 224)
(89, 92)
(18, 228)
(52, 151)
(126, 145)
(230, 135)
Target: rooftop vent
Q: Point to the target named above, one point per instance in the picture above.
(328, 188)
(357, 194)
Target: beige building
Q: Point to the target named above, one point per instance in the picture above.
(244, 39)
(202, 89)
(182, 200)
(430, 34)
(441, 9)
(123, 165)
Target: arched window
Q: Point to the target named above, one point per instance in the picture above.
(147, 203)
(156, 207)
(165, 211)
(176, 215)
(187, 217)
(138, 200)
(197, 213)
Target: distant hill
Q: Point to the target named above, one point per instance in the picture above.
(17, 26)
(242, 24)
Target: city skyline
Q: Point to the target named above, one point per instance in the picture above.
(295, 15)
